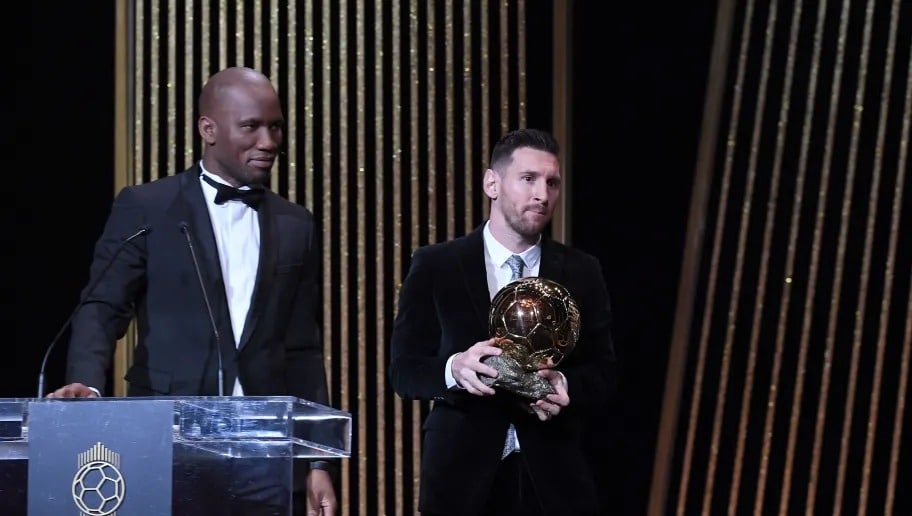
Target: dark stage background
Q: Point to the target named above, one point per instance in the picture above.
(639, 80)
(637, 96)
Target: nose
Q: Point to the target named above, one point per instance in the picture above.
(269, 140)
(540, 191)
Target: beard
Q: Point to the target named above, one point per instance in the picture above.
(525, 227)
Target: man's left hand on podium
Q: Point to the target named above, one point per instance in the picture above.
(321, 497)
(74, 390)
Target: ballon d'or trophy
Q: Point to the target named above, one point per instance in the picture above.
(536, 322)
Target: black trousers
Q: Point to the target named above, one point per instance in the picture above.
(514, 492)
(234, 487)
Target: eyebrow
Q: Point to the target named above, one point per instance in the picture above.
(537, 173)
(255, 120)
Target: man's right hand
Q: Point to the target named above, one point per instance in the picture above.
(467, 366)
(73, 390)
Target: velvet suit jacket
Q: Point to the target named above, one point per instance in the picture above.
(443, 309)
(153, 278)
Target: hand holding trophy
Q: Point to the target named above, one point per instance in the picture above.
(536, 322)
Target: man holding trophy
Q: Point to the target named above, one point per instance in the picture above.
(508, 332)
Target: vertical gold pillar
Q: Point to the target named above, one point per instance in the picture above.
(563, 114)
(123, 142)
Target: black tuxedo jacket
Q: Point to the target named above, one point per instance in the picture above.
(153, 278)
(443, 309)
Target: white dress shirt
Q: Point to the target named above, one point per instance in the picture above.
(237, 235)
(499, 274)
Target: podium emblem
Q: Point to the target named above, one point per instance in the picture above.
(98, 485)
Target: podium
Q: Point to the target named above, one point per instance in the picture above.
(162, 455)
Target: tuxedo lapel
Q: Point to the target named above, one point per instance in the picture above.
(203, 238)
(269, 235)
(475, 274)
(552, 261)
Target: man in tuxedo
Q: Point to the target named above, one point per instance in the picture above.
(258, 258)
(485, 450)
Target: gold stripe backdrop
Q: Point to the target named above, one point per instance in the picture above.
(392, 107)
(797, 387)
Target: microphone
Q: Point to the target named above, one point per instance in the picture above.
(144, 230)
(185, 228)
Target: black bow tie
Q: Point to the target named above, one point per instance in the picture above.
(252, 197)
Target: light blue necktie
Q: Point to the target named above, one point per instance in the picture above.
(516, 266)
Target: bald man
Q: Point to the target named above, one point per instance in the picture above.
(258, 258)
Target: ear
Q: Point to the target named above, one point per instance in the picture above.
(491, 184)
(207, 129)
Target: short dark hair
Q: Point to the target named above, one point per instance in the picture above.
(520, 138)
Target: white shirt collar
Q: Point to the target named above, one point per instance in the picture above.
(500, 254)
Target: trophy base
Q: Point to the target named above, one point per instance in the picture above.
(513, 378)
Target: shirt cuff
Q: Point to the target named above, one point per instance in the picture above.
(96, 391)
(323, 465)
(451, 382)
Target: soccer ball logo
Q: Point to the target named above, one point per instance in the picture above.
(98, 486)
(535, 321)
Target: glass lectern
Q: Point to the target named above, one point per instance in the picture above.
(162, 456)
